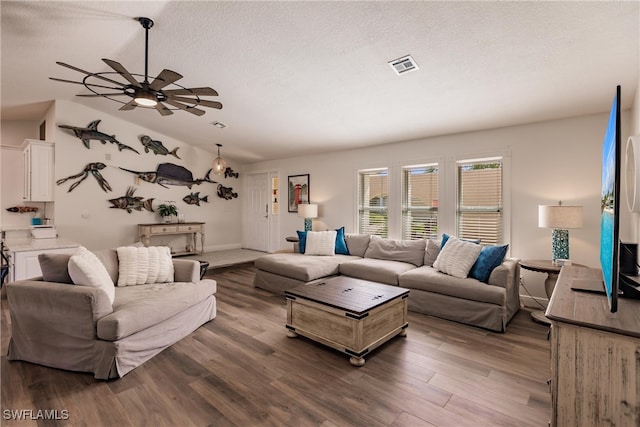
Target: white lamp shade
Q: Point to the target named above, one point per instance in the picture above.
(308, 210)
(559, 216)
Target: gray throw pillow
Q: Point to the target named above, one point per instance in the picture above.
(357, 243)
(55, 268)
(431, 253)
(411, 251)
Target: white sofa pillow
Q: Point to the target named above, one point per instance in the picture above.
(86, 269)
(142, 265)
(321, 243)
(457, 257)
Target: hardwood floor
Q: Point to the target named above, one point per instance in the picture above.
(241, 369)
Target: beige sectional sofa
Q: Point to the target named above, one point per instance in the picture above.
(408, 264)
(77, 328)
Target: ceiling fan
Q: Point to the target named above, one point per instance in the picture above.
(162, 90)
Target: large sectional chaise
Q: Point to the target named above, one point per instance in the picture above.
(408, 264)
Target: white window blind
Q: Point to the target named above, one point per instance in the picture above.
(479, 200)
(373, 195)
(420, 202)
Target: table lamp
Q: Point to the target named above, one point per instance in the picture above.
(308, 211)
(560, 218)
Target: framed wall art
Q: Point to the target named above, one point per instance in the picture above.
(298, 189)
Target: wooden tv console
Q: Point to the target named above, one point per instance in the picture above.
(595, 356)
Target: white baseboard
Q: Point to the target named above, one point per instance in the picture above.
(533, 302)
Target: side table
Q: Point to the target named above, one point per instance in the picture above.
(552, 270)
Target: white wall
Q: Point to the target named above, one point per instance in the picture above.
(550, 161)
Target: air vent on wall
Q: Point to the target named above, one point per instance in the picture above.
(403, 65)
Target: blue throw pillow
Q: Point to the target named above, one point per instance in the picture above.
(341, 243)
(445, 237)
(490, 257)
(302, 240)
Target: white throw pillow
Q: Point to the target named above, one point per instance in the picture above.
(321, 243)
(86, 269)
(457, 257)
(141, 265)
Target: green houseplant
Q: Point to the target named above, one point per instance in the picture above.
(167, 210)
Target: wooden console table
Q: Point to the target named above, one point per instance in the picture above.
(146, 231)
(595, 356)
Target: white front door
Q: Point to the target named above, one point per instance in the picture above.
(257, 237)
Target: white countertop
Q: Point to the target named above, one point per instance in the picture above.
(29, 244)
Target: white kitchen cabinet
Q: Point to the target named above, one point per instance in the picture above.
(23, 257)
(38, 163)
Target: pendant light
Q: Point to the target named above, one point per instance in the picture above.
(219, 165)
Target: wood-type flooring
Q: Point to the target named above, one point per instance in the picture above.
(241, 369)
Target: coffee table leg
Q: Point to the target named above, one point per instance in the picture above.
(403, 333)
(291, 334)
(356, 361)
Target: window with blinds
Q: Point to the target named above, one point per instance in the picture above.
(420, 202)
(479, 200)
(373, 196)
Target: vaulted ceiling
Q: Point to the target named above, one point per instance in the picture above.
(298, 78)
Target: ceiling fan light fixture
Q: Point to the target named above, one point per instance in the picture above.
(219, 165)
(145, 100)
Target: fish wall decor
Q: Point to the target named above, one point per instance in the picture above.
(194, 199)
(91, 132)
(228, 172)
(91, 168)
(157, 147)
(131, 202)
(171, 174)
(22, 209)
(226, 192)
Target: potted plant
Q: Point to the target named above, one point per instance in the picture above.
(167, 210)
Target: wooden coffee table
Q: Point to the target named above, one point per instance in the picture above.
(350, 315)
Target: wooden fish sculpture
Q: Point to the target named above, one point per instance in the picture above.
(157, 147)
(228, 172)
(22, 209)
(131, 202)
(171, 174)
(91, 132)
(226, 192)
(194, 199)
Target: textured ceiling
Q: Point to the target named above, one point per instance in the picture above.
(298, 78)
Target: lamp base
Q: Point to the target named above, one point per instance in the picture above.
(559, 244)
(308, 224)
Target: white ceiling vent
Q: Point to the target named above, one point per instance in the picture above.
(403, 65)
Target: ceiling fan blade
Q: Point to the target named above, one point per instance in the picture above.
(165, 78)
(204, 103)
(205, 91)
(90, 74)
(186, 108)
(122, 71)
(103, 94)
(163, 110)
(128, 106)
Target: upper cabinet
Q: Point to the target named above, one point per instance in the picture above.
(37, 157)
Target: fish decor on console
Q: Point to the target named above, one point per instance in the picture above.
(171, 174)
(91, 168)
(228, 172)
(226, 192)
(22, 209)
(194, 199)
(131, 202)
(157, 147)
(92, 132)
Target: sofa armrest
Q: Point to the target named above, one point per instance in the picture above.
(186, 270)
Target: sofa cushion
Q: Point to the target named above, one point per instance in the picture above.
(86, 269)
(490, 257)
(139, 307)
(357, 243)
(321, 243)
(143, 265)
(431, 280)
(431, 252)
(375, 270)
(411, 251)
(301, 267)
(55, 267)
(109, 258)
(457, 257)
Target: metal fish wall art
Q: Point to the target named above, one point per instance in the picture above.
(171, 174)
(194, 199)
(91, 132)
(226, 192)
(228, 172)
(129, 202)
(157, 147)
(22, 209)
(91, 168)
